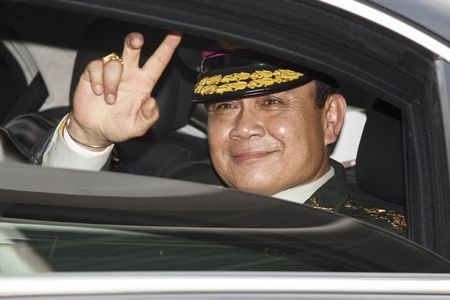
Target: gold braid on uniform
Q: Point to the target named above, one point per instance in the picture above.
(390, 216)
(314, 202)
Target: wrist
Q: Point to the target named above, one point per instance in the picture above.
(84, 137)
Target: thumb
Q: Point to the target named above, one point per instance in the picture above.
(149, 112)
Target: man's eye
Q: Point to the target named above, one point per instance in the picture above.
(272, 101)
(223, 106)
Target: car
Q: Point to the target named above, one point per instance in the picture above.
(70, 233)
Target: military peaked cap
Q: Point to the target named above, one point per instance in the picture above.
(238, 73)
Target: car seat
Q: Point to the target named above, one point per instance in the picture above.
(162, 148)
(16, 96)
(380, 167)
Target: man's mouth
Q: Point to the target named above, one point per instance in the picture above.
(250, 156)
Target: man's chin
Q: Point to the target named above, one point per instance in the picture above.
(259, 184)
(254, 176)
(261, 190)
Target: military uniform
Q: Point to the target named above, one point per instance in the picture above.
(333, 196)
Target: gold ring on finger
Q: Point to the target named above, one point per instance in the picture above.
(112, 57)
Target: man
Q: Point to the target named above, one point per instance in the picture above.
(270, 124)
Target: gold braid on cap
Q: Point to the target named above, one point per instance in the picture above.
(220, 84)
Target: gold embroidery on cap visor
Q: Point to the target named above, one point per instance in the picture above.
(220, 84)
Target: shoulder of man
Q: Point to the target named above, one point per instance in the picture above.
(389, 217)
(385, 215)
(335, 196)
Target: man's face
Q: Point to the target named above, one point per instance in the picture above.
(269, 143)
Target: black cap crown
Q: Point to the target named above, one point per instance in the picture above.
(234, 74)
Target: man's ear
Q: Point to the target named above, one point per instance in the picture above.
(334, 114)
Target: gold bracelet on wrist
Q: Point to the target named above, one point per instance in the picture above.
(66, 125)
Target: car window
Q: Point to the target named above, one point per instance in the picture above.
(48, 248)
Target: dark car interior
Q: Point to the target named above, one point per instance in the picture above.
(143, 155)
(384, 172)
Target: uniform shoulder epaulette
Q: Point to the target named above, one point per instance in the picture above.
(387, 217)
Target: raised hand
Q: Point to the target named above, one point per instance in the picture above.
(112, 102)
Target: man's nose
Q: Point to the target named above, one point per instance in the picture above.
(248, 124)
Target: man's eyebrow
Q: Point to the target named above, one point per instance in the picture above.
(286, 94)
(282, 93)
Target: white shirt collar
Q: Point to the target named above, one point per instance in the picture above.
(301, 193)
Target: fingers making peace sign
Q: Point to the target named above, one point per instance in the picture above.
(112, 102)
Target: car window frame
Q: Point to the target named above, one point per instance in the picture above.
(422, 114)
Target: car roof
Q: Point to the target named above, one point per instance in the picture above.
(433, 15)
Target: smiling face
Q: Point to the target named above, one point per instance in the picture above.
(270, 143)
